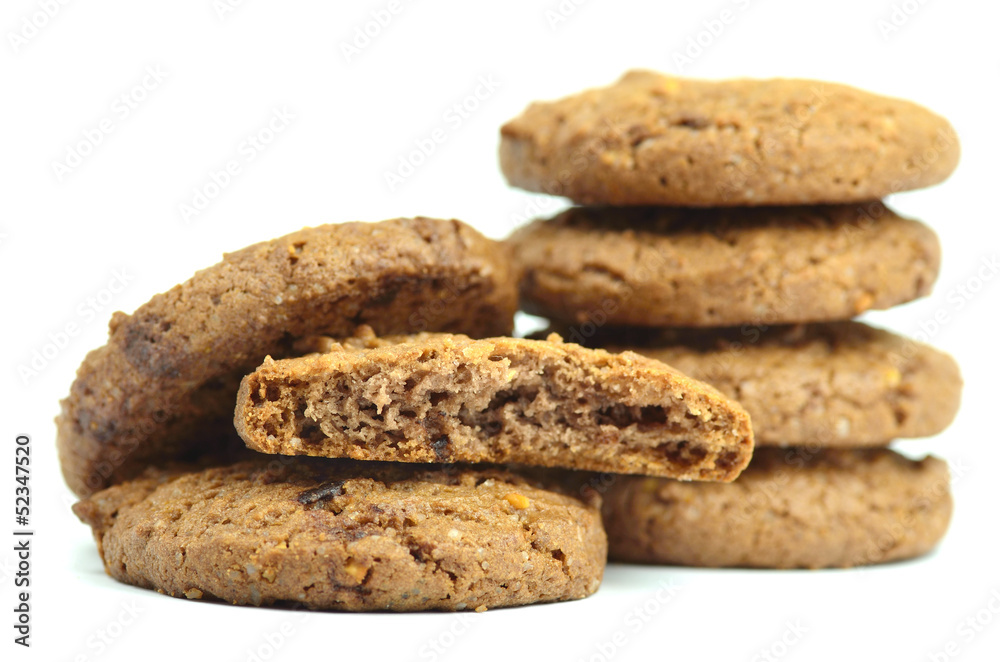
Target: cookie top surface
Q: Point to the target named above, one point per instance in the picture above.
(167, 378)
(447, 398)
(649, 266)
(833, 384)
(652, 139)
(791, 508)
(329, 534)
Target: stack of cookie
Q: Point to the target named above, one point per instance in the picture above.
(733, 229)
(403, 508)
(382, 352)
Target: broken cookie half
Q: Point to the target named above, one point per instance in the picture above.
(437, 397)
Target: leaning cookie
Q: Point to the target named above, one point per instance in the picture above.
(647, 266)
(447, 398)
(835, 384)
(164, 385)
(341, 535)
(651, 139)
(791, 508)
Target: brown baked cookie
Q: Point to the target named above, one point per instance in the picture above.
(652, 139)
(791, 508)
(164, 385)
(342, 535)
(647, 266)
(834, 384)
(447, 398)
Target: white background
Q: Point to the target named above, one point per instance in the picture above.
(62, 241)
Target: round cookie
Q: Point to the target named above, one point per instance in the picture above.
(437, 397)
(649, 266)
(791, 508)
(343, 535)
(165, 384)
(652, 139)
(835, 384)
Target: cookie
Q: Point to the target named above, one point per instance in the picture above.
(647, 266)
(651, 139)
(791, 508)
(834, 384)
(341, 535)
(164, 385)
(447, 398)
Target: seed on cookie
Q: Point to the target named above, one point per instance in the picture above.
(442, 397)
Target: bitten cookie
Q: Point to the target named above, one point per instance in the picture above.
(835, 384)
(164, 385)
(647, 266)
(447, 398)
(349, 536)
(791, 508)
(651, 139)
